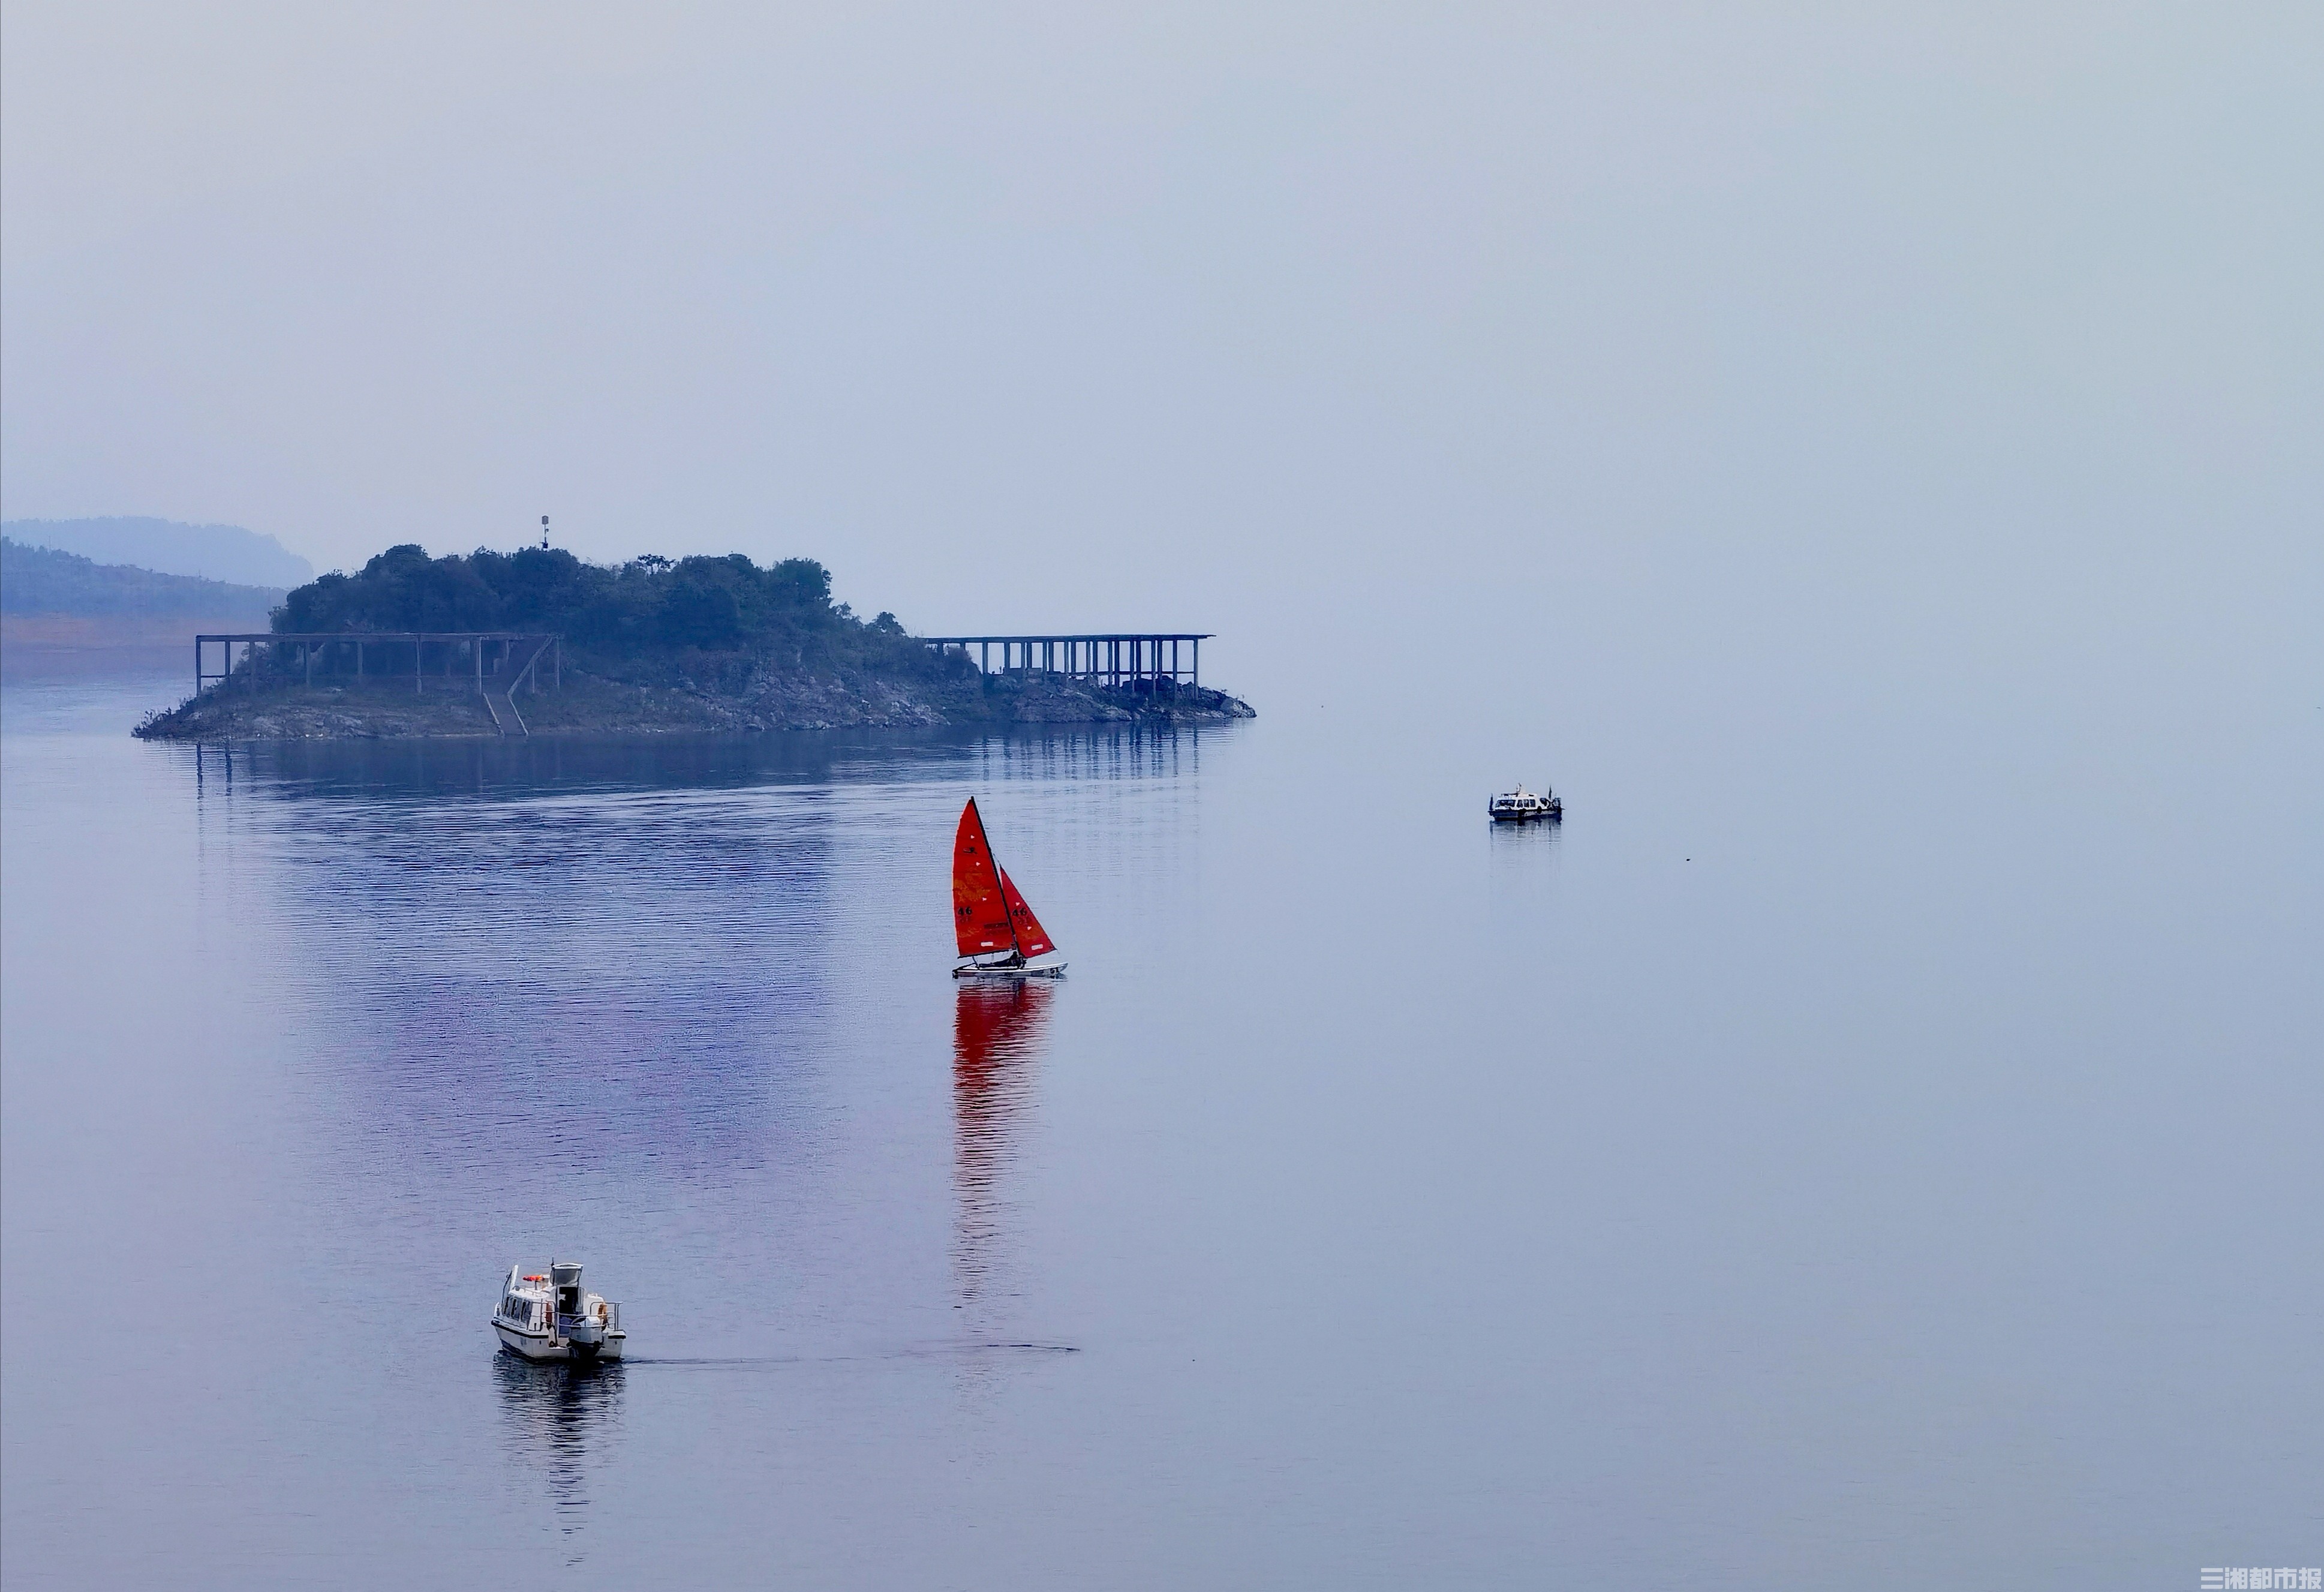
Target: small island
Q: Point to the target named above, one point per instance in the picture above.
(539, 641)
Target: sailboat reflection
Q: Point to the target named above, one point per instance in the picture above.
(996, 1037)
(557, 1419)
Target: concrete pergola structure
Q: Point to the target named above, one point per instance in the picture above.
(520, 653)
(1115, 658)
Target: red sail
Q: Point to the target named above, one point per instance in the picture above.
(980, 917)
(1031, 938)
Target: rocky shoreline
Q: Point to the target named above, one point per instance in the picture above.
(767, 699)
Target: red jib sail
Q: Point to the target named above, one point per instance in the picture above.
(1032, 939)
(980, 917)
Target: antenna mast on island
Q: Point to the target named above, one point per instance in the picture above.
(544, 532)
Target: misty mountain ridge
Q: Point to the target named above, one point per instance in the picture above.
(229, 553)
(43, 580)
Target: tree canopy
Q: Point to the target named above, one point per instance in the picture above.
(649, 608)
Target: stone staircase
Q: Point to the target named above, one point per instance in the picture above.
(500, 686)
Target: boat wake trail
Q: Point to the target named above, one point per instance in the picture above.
(973, 1348)
(926, 1352)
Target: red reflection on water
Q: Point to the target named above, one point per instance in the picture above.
(996, 1037)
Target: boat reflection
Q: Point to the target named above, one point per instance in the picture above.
(1515, 839)
(996, 1039)
(558, 1419)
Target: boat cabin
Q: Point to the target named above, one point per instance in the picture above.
(525, 1305)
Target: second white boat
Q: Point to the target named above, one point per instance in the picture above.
(1522, 806)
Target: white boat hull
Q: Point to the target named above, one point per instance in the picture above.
(540, 1345)
(1057, 972)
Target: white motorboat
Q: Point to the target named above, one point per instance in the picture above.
(545, 1316)
(1521, 806)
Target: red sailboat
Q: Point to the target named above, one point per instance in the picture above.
(988, 913)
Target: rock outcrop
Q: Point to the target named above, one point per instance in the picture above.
(766, 700)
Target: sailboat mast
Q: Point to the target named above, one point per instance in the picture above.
(1015, 946)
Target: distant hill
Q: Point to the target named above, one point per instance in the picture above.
(212, 552)
(42, 580)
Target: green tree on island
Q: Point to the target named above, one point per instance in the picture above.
(651, 609)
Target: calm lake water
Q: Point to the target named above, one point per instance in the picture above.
(1844, 1155)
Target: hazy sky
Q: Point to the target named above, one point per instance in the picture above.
(1908, 332)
